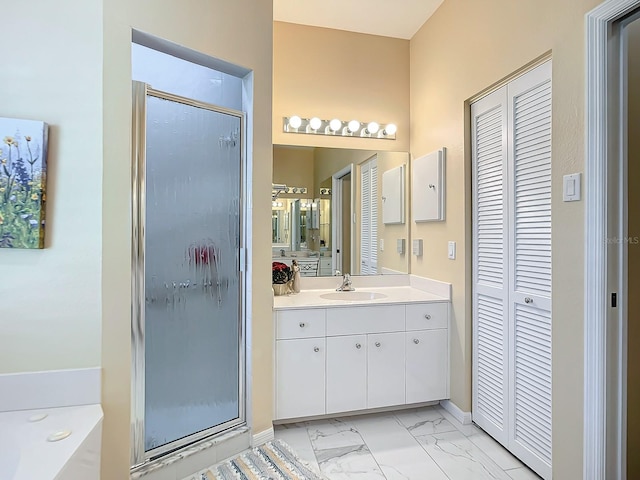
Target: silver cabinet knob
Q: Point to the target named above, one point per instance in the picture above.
(316, 349)
(528, 300)
(358, 346)
(377, 344)
(427, 316)
(416, 341)
(302, 324)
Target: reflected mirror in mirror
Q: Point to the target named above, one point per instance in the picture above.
(351, 216)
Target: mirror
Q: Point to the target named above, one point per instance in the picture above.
(351, 214)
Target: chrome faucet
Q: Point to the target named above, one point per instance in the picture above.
(346, 284)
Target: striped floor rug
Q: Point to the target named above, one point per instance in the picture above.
(274, 460)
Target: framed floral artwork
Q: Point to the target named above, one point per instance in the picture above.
(23, 175)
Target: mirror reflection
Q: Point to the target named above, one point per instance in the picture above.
(340, 209)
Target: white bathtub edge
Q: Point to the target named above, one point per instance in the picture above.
(50, 389)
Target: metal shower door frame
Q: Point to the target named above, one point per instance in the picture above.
(138, 216)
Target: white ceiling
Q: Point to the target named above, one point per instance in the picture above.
(389, 18)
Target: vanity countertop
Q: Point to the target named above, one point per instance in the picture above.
(314, 299)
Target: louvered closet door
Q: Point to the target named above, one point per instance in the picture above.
(369, 217)
(511, 142)
(530, 265)
(490, 273)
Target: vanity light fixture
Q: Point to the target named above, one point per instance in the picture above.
(390, 129)
(315, 123)
(295, 122)
(335, 124)
(353, 128)
(372, 129)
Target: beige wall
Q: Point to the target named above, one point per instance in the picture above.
(293, 166)
(455, 56)
(633, 360)
(50, 315)
(241, 33)
(333, 73)
(389, 258)
(331, 160)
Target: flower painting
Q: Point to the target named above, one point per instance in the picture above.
(23, 154)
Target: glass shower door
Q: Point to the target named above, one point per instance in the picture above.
(190, 212)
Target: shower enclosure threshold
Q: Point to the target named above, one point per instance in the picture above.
(197, 456)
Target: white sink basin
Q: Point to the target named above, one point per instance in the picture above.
(353, 296)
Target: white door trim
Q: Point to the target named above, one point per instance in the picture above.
(598, 142)
(336, 217)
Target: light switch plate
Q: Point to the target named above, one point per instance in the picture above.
(382, 244)
(417, 247)
(571, 187)
(451, 250)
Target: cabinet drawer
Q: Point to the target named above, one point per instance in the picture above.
(361, 320)
(300, 323)
(427, 316)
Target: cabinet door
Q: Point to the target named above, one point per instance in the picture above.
(427, 365)
(385, 365)
(300, 377)
(325, 266)
(346, 373)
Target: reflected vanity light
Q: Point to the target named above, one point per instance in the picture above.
(353, 128)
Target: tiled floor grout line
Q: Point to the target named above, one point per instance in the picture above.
(372, 454)
(466, 433)
(422, 447)
(306, 429)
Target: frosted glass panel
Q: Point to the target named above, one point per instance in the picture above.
(192, 294)
(181, 77)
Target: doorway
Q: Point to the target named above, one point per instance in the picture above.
(341, 221)
(610, 244)
(633, 245)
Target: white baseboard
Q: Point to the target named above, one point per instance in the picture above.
(262, 437)
(463, 417)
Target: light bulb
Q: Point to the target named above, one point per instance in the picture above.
(353, 126)
(335, 124)
(315, 123)
(390, 129)
(295, 122)
(373, 128)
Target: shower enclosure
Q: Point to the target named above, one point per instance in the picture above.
(188, 279)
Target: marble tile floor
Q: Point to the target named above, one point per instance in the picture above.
(418, 444)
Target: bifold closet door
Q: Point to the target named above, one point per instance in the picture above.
(530, 264)
(490, 272)
(369, 217)
(511, 142)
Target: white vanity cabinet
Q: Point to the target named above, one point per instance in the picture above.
(324, 267)
(426, 346)
(346, 373)
(341, 359)
(300, 363)
(427, 371)
(386, 372)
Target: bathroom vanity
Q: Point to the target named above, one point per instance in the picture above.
(338, 352)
